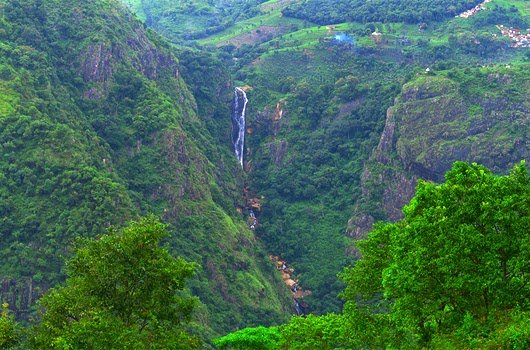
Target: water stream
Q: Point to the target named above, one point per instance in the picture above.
(238, 122)
(298, 308)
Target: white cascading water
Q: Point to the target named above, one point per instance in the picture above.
(298, 308)
(238, 119)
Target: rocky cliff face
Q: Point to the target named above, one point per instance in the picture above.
(98, 61)
(478, 116)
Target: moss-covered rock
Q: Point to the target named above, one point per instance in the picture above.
(475, 115)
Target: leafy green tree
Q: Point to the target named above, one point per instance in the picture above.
(259, 338)
(10, 331)
(458, 261)
(313, 332)
(453, 274)
(124, 291)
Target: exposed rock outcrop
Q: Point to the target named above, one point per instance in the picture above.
(272, 118)
(19, 294)
(278, 151)
(96, 65)
(292, 283)
(99, 61)
(150, 60)
(434, 122)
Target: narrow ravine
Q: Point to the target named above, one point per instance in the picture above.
(291, 282)
(252, 202)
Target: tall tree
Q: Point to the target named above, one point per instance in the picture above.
(124, 291)
(461, 254)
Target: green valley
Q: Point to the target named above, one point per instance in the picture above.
(312, 165)
(114, 110)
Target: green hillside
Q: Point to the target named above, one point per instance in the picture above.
(98, 127)
(311, 164)
(484, 119)
(451, 274)
(351, 106)
(185, 20)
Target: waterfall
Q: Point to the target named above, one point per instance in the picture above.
(238, 121)
(298, 308)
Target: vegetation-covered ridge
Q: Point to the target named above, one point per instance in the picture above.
(407, 11)
(454, 273)
(100, 122)
(317, 111)
(97, 126)
(478, 114)
(185, 20)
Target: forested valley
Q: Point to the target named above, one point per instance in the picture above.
(253, 174)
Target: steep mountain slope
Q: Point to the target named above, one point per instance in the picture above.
(310, 137)
(476, 115)
(97, 127)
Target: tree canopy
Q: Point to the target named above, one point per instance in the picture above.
(460, 256)
(10, 331)
(409, 11)
(86, 145)
(123, 291)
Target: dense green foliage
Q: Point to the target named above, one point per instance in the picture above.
(409, 11)
(304, 164)
(457, 263)
(453, 273)
(478, 103)
(311, 332)
(508, 16)
(309, 166)
(259, 338)
(53, 183)
(97, 127)
(10, 331)
(178, 20)
(100, 122)
(123, 291)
